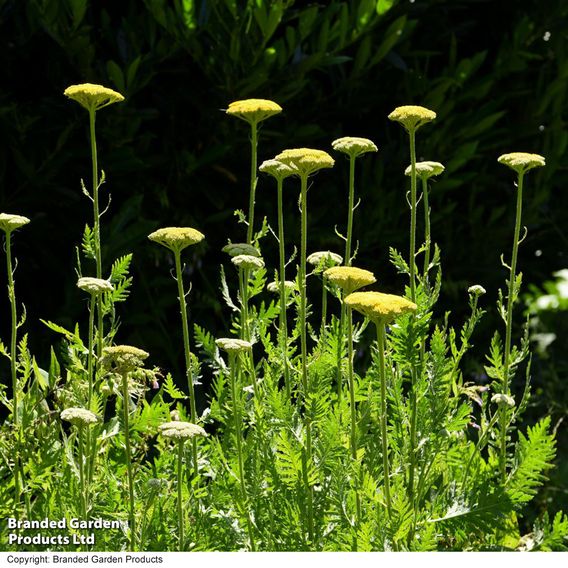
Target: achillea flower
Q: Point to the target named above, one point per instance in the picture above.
(522, 162)
(9, 223)
(124, 358)
(274, 287)
(276, 169)
(93, 97)
(476, 290)
(236, 249)
(305, 161)
(254, 110)
(79, 416)
(349, 278)
(353, 146)
(325, 258)
(181, 430)
(503, 399)
(233, 345)
(94, 286)
(425, 170)
(176, 238)
(379, 306)
(248, 262)
(412, 117)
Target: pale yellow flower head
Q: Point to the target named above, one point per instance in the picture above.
(248, 262)
(503, 400)
(181, 430)
(425, 170)
(349, 278)
(305, 161)
(235, 249)
(124, 358)
(412, 117)
(274, 287)
(276, 169)
(9, 223)
(94, 286)
(378, 306)
(522, 162)
(232, 345)
(93, 97)
(324, 259)
(79, 416)
(176, 238)
(476, 290)
(353, 146)
(254, 111)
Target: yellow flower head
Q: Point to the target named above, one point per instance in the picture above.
(522, 162)
(378, 306)
(9, 223)
(79, 416)
(233, 345)
(124, 358)
(305, 161)
(425, 170)
(274, 287)
(94, 286)
(181, 430)
(93, 97)
(276, 169)
(248, 262)
(254, 110)
(349, 278)
(235, 249)
(353, 146)
(412, 117)
(176, 238)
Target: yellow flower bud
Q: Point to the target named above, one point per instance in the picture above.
(9, 223)
(93, 97)
(425, 170)
(522, 162)
(79, 416)
(353, 146)
(176, 238)
(181, 430)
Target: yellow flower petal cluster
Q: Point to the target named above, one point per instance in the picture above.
(181, 430)
(176, 238)
(305, 161)
(9, 222)
(94, 286)
(378, 306)
(93, 97)
(412, 117)
(254, 110)
(124, 358)
(522, 162)
(248, 262)
(353, 146)
(276, 169)
(236, 249)
(232, 345)
(79, 416)
(425, 170)
(349, 278)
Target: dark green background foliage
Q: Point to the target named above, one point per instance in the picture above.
(495, 72)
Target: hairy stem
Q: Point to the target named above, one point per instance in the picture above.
(179, 494)
(412, 254)
(125, 412)
(350, 210)
(426, 226)
(253, 180)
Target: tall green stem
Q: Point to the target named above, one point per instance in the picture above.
(253, 179)
(426, 226)
(412, 254)
(179, 494)
(350, 210)
(90, 353)
(125, 412)
(82, 473)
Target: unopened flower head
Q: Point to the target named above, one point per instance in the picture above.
(476, 290)
(254, 110)
(276, 169)
(248, 262)
(503, 400)
(79, 416)
(522, 162)
(94, 286)
(349, 278)
(378, 306)
(181, 430)
(274, 287)
(305, 161)
(232, 345)
(235, 249)
(176, 238)
(425, 170)
(412, 117)
(9, 222)
(353, 146)
(324, 258)
(93, 97)
(124, 358)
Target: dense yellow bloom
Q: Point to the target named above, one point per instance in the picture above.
(276, 169)
(254, 110)
(426, 169)
(522, 162)
(93, 97)
(349, 278)
(181, 430)
(176, 238)
(94, 286)
(9, 223)
(353, 146)
(233, 345)
(248, 262)
(379, 306)
(79, 416)
(235, 249)
(305, 161)
(124, 358)
(412, 117)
